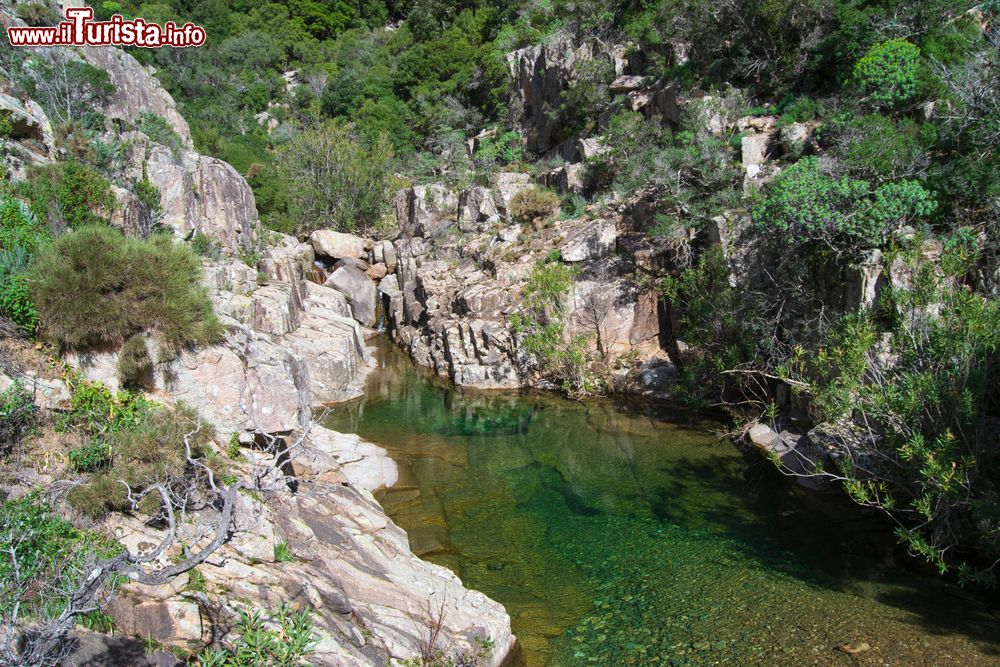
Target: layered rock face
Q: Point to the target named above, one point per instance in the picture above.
(289, 346)
(542, 72)
(462, 269)
(135, 90)
(372, 601)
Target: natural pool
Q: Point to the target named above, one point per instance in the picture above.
(619, 534)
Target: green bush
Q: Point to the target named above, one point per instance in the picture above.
(284, 643)
(534, 206)
(98, 411)
(71, 192)
(573, 207)
(19, 227)
(204, 246)
(923, 380)
(877, 147)
(43, 559)
(805, 205)
(504, 149)
(889, 74)
(797, 110)
(159, 130)
(687, 173)
(15, 301)
(20, 236)
(95, 287)
(540, 325)
(339, 183)
(724, 327)
(146, 449)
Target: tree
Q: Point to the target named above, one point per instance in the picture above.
(340, 183)
(67, 87)
(595, 304)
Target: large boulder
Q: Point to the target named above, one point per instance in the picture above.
(246, 384)
(359, 290)
(328, 243)
(287, 259)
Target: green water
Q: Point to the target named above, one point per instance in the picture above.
(631, 535)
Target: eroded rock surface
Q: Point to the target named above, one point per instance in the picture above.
(461, 272)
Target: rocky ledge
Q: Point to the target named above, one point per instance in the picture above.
(462, 266)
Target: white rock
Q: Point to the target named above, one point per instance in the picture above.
(329, 243)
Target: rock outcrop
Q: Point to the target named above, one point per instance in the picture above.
(291, 344)
(136, 92)
(461, 269)
(31, 141)
(372, 601)
(197, 193)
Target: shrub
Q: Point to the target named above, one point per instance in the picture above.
(158, 129)
(20, 235)
(505, 149)
(71, 192)
(135, 367)
(16, 303)
(339, 183)
(38, 14)
(797, 110)
(204, 246)
(805, 205)
(922, 382)
(877, 147)
(540, 325)
(97, 411)
(689, 173)
(44, 560)
(97, 414)
(149, 449)
(19, 227)
(534, 206)
(262, 644)
(724, 326)
(96, 287)
(90, 456)
(17, 415)
(888, 75)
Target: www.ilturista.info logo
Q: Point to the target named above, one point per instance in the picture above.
(79, 30)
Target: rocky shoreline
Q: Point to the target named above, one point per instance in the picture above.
(291, 345)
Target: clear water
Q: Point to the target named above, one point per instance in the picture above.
(619, 534)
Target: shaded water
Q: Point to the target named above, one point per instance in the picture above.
(619, 535)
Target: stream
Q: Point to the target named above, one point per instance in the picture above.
(623, 533)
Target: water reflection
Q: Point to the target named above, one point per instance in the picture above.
(616, 536)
